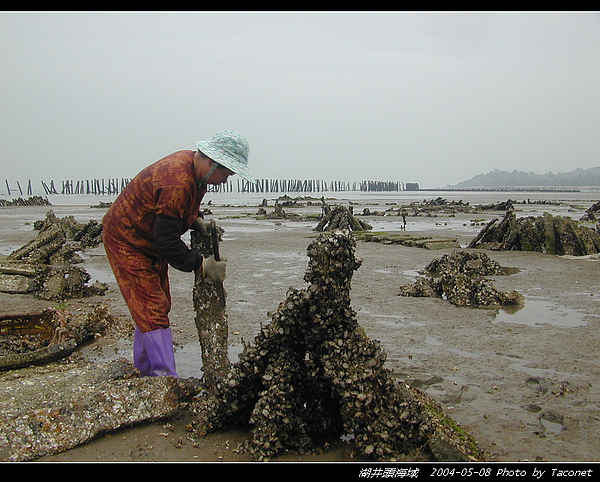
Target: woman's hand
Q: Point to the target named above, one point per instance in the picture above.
(213, 269)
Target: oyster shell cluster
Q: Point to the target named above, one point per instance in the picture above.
(558, 235)
(459, 278)
(472, 263)
(211, 318)
(312, 376)
(46, 265)
(340, 218)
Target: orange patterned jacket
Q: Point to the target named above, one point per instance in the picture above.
(168, 191)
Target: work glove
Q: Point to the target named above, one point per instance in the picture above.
(213, 269)
(201, 225)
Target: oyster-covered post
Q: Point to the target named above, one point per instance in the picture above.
(313, 376)
(211, 318)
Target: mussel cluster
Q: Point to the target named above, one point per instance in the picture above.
(312, 376)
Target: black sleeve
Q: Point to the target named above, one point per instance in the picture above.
(168, 242)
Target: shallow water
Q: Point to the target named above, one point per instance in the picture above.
(537, 312)
(381, 199)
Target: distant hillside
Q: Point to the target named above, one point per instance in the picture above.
(497, 178)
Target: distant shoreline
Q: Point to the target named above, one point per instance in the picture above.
(517, 189)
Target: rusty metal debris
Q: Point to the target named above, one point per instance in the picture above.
(312, 376)
(42, 337)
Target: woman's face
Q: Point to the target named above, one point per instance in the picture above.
(220, 175)
(203, 165)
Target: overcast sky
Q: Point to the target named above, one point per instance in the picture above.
(433, 98)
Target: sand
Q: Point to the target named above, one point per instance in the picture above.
(524, 384)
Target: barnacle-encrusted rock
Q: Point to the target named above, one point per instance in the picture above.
(313, 376)
(50, 409)
(459, 278)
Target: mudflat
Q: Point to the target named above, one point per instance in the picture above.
(523, 383)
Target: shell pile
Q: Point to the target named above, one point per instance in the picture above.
(313, 376)
(459, 278)
(472, 263)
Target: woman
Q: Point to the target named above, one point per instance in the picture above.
(142, 236)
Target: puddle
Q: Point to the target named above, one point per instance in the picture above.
(99, 275)
(188, 358)
(249, 226)
(542, 312)
(550, 427)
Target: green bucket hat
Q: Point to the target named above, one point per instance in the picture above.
(229, 149)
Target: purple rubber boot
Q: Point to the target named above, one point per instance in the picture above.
(153, 353)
